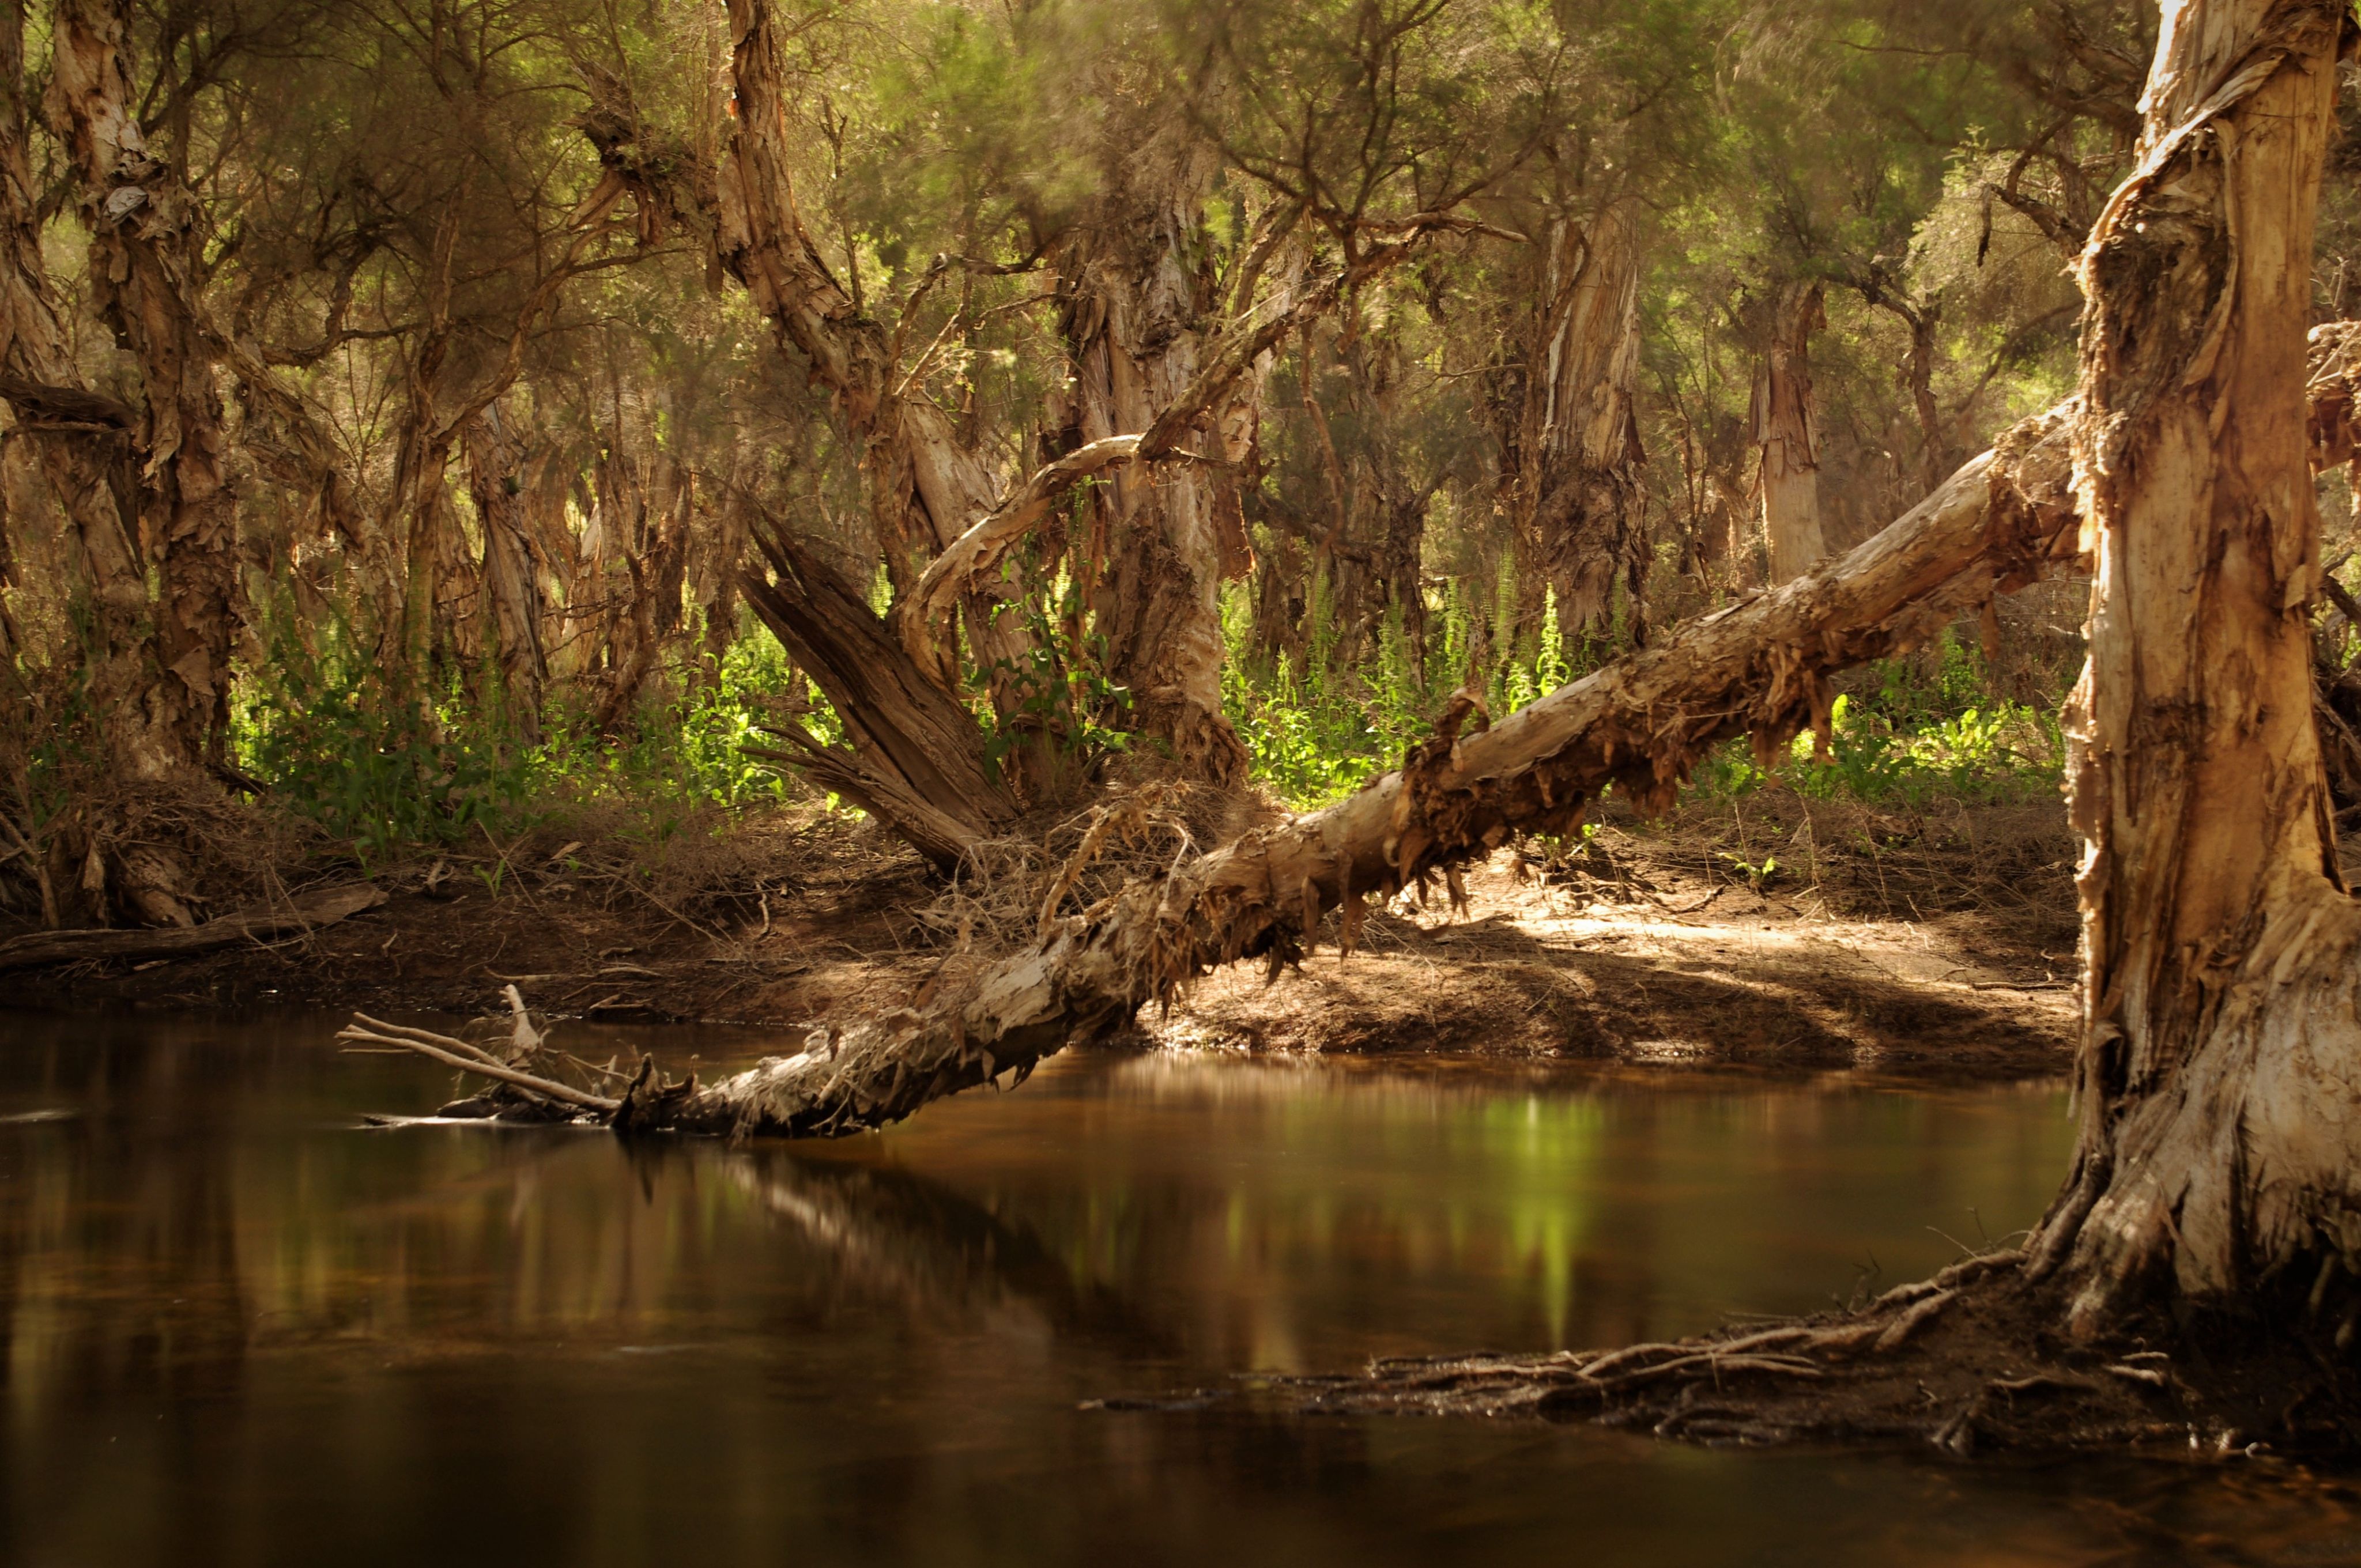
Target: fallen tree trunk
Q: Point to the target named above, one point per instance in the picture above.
(1763, 665)
(302, 913)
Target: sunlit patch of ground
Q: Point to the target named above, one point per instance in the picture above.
(1685, 975)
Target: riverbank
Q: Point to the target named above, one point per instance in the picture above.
(1770, 929)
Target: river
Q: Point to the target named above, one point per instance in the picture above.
(241, 1326)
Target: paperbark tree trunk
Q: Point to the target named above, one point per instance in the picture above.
(2220, 1140)
(512, 582)
(926, 485)
(143, 270)
(1783, 423)
(1161, 540)
(912, 760)
(83, 443)
(1575, 495)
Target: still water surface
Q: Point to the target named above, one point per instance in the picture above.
(237, 1327)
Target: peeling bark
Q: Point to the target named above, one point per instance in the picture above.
(1784, 422)
(2220, 1122)
(83, 445)
(511, 585)
(913, 760)
(1134, 303)
(926, 485)
(1573, 493)
(144, 268)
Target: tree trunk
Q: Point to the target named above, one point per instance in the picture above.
(83, 441)
(1785, 427)
(415, 514)
(1161, 541)
(512, 582)
(1575, 495)
(912, 761)
(2220, 1138)
(143, 270)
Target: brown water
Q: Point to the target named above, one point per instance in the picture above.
(239, 1328)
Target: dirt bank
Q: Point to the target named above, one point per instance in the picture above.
(1773, 931)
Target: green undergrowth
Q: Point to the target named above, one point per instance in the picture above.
(336, 738)
(333, 736)
(1911, 730)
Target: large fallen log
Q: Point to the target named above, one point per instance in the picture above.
(1764, 666)
(1640, 724)
(298, 914)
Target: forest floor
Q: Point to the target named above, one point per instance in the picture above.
(1772, 930)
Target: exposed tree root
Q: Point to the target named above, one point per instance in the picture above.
(1969, 1361)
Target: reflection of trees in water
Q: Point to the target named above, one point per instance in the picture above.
(942, 1257)
(119, 1219)
(1281, 1220)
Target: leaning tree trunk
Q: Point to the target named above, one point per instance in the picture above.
(910, 757)
(1783, 420)
(1160, 543)
(2221, 1123)
(144, 273)
(1573, 492)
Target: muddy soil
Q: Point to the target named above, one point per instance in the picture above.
(1774, 931)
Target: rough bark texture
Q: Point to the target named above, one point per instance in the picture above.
(512, 582)
(1575, 495)
(2220, 1120)
(83, 443)
(912, 760)
(926, 485)
(1135, 298)
(1783, 423)
(144, 277)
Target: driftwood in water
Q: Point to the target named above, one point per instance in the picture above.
(300, 914)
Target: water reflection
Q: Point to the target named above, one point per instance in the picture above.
(238, 1327)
